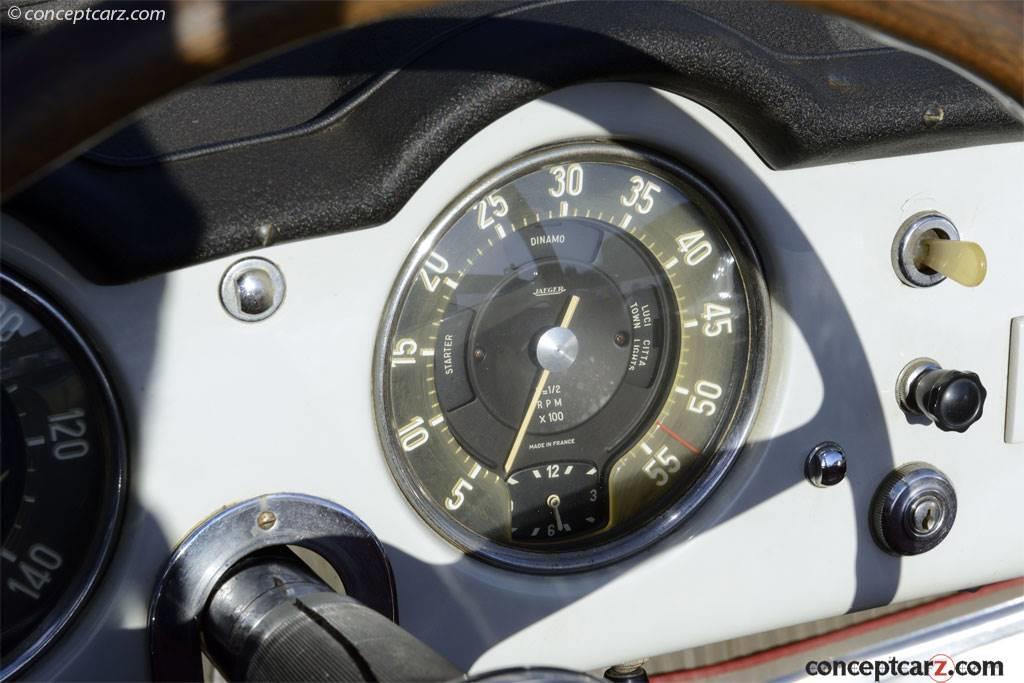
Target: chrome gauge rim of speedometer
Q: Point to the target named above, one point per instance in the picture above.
(571, 358)
(64, 471)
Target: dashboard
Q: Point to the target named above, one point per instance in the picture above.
(579, 379)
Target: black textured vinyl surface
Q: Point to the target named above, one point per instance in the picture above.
(339, 134)
(329, 637)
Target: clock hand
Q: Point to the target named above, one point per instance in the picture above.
(553, 503)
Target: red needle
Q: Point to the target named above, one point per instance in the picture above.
(693, 449)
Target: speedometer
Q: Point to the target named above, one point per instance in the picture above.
(63, 473)
(571, 358)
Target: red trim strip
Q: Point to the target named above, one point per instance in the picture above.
(759, 658)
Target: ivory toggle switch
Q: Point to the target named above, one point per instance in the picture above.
(961, 261)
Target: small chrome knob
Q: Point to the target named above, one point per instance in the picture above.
(255, 292)
(913, 510)
(252, 289)
(826, 465)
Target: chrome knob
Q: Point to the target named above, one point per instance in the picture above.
(826, 465)
(252, 289)
(255, 292)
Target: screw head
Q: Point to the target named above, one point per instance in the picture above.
(266, 520)
(252, 289)
(933, 115)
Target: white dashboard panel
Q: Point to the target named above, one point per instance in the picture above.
(220, 410)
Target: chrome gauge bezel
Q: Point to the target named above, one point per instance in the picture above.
(70, 604)
(737, 427)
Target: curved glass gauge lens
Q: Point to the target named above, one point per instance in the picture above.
(571, 358)
(62, 459)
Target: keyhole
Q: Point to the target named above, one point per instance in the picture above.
(927, 515)
(928, 520)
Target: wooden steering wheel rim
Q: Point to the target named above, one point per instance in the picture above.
(983, 37)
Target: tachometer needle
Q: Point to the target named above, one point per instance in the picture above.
(570, 310)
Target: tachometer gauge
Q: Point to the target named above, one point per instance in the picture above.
(63, 473)
(571, 358)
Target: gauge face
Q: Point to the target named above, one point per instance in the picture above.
(571, 358)
(63, 463)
